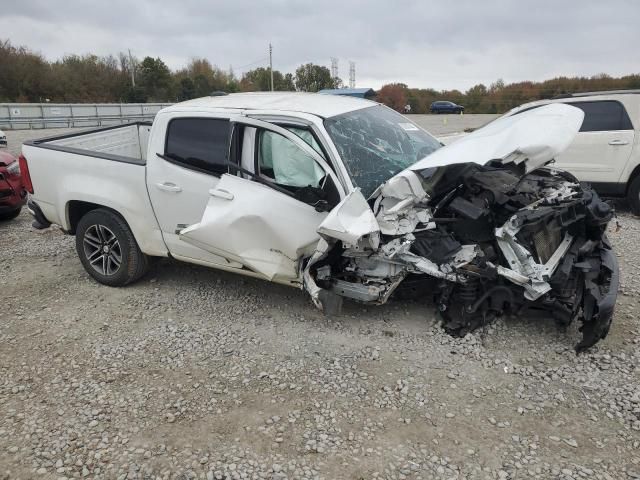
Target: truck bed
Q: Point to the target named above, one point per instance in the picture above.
(104, 167)
(122, 143)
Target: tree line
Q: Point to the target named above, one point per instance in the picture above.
(26, 76)
(499, 97)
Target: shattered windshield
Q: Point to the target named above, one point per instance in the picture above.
(376, 143)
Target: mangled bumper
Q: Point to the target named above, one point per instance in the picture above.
(550, 253)
(601, 282)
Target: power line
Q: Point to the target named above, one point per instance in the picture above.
(240, 68)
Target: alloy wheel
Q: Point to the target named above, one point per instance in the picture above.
(102, 250)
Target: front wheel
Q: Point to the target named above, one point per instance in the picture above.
(108, 250)
(633, 195)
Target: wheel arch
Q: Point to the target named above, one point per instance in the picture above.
(149, 239)
(76, 209)
(634, 174)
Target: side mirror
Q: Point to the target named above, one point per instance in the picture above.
(322, 206)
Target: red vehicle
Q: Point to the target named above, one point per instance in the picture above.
(13, 194)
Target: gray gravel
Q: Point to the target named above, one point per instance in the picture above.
(195, 373)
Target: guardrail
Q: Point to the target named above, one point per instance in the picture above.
(15, 116)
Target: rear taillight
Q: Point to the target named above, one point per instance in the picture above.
(26, 176)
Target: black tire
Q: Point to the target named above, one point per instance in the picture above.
(10, 215)
(103, 237)
(633, 195)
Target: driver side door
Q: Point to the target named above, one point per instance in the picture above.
(266, 217)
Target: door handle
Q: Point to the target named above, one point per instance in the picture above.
(618, 142)
(217, 192)
(168, 187)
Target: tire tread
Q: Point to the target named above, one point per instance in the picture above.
(633, 195)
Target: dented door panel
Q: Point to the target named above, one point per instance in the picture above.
(265, 230)
(482, 226)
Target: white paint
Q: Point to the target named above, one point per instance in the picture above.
(350, 221)
(602, 156)
(313, 103)
(534, 138)
(237, 224)
(265, 230)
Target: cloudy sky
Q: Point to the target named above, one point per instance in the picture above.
(423, 43)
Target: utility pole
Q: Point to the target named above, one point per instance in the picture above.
(132, 68)
(271, 64)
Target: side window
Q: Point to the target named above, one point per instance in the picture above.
(199, 143)
(283, 162)
(603, 115)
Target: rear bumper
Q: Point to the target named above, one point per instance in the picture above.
(9, 208)
(40, 221)
(11, 199)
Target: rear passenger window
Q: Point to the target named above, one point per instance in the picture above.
(603, 116)
(199, 143)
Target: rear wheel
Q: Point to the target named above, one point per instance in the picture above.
(10, 215)
(633, 195)
(108, 250)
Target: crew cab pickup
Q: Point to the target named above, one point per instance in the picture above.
(343, 198)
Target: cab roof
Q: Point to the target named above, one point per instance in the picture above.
(313, 103)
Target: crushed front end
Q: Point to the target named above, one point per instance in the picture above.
(479, 240)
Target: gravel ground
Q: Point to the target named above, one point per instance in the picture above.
(196, 373)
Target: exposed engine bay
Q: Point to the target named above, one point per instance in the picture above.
(479, 241)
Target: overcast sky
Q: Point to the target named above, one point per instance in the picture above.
(439, 44)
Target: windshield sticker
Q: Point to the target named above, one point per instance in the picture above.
(408, 127)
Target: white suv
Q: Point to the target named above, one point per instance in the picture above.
(605, 152)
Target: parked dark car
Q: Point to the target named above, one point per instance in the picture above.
(446, 107)
(13, 194)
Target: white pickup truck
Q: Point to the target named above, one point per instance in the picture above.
(341, 197)
(606, 151)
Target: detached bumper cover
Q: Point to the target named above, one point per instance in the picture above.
(40, 221)
(601, 281)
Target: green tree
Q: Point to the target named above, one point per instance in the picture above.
(474, 98)
(187, 89)
(311, 78)
(205, 78)
(259, 80)
(154, 77)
